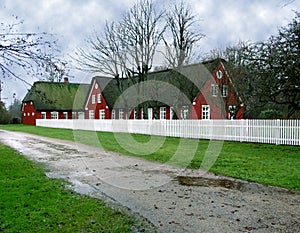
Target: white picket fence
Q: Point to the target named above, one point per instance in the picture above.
(285, 132)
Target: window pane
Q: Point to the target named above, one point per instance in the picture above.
(162, 113)
(205, 112)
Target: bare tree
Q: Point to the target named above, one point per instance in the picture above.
(126, 49)
(104, 54)
(25, 53)
(140, 37)
(182, 25)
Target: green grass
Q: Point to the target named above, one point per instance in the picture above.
(31, 202)
(269, 164)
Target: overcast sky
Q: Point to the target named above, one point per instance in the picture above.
(224, 22)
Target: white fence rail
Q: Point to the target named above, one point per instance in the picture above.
(286, 132)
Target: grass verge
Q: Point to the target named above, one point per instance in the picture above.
(269, 164)
(31, 202)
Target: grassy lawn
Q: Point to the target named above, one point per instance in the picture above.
(269, 164)
(31, 202)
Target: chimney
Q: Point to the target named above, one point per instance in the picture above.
(66, 80)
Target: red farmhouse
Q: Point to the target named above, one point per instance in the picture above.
(199, 91)
(53, 100)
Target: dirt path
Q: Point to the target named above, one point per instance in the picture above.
(172, 199)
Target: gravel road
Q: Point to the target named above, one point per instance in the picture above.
(172, 199)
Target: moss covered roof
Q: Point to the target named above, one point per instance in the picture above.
(171, 86)
(57, 96)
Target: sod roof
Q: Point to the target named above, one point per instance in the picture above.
(170, 86)
(57, 96)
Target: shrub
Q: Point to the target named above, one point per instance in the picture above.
(270, 114)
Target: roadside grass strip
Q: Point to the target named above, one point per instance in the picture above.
(31, 202)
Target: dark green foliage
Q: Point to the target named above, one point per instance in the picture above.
(270, 114)
(274, 67)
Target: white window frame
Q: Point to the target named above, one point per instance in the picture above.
(99, 96)
(224, 90)
(134, 113)
(91, 114)
(74, 115)
(205, 112)
(93, 99)
(43, 115)
(150, 114)
(102, 114)
(121, 114)
(54, 115)
(171, 113)
(113, 114)
(214, 90)
(230, 109)
(162, 113)
(65, 115)
(80, 115)
(184, 112)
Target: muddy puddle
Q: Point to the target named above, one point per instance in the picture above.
(210, 182)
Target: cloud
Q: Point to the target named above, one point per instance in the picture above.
(73, 21)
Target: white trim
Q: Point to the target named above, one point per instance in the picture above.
(99, 97)
(121, 114)
(164, 111)
(90, 93)
(206, 110)
(43, 114)
(54, 115)
(91, 114)
(65, 115)
(102, 114)
(214, 90)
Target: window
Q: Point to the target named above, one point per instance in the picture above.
(81, 115)
(65, 115)
(205, 112)
(214, 89)
(54, 115)
(74, 115)
(225, 90)
(93, 99)
(99, 98)
(44, 116)
(172, 113)
(121, 113)
(32, 113)
(102, 114)
(163, 113)
(113, 114)
(150, 113)
(232, 112)
(91, 114)
(184, 112)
